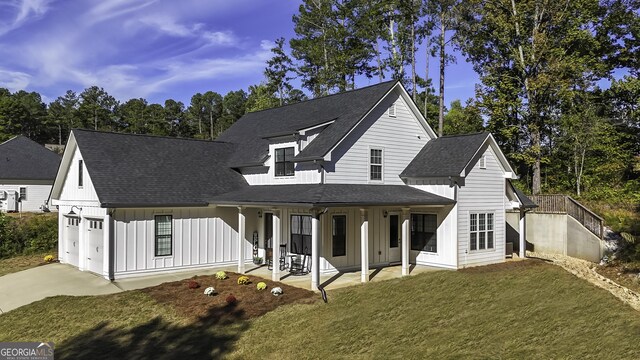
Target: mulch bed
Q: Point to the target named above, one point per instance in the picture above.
(623, 274)
(251, 302)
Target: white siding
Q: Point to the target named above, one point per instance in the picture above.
(70, 188)
(484, 191)
(305, 173)
(201, 237)
(401, 138)
(37, 194)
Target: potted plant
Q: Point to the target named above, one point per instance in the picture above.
(257, 260)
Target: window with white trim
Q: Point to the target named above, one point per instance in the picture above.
(339, 235)
(424, 232)
(375, 165)
(23, 193)
(481, 233)
(80, 177)
(483, 162)
(284, 162)
(300, 234)
(164, 229)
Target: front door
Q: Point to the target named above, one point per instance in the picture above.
(268, 236)
(395, 238)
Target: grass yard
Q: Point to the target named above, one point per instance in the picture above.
(23, 262)
(517, 310)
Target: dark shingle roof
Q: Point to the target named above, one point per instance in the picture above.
(141, 170)
(25, 159)
(331, 195)
(346, 109)
(445, 156)
(525, 201)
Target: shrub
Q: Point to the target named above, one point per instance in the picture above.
(231, 300)
(48, 258)
(193, 284)
(221, 275)
(243, 280)
(210, 291)
(276, 291)
(261, 285)
(31, 234)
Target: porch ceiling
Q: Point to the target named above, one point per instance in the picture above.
(331, 195)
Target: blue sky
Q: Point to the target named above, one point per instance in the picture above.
(154, 49)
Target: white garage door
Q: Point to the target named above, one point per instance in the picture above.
(95, 255)
(71, 240)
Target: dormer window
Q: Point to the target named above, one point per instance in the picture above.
(284, 162)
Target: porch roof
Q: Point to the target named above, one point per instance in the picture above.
(330, 195)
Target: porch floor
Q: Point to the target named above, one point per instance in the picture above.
(338, 279)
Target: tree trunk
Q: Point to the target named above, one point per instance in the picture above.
(413, 57)
(536, 185)
(211, 123)
(380, 74)
(95, 119)
(59, 134)
(426, 79)
(442, 63)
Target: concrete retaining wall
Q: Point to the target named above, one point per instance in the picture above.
(555, 234)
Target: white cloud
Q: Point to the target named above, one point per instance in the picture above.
(106, 10)
(24, 11)
(14, 80)
(165, 24)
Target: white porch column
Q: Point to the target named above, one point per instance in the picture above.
(241, 239)
(275, 245)
(315, 251)
(106, 246)
(364, 245)
(523, 233)
(405, 241)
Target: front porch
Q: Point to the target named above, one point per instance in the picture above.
(337, 280)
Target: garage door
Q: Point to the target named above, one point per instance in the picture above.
(95, 256)
(71, 240)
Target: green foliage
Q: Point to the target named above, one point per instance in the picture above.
(463, 120)
(33, 234)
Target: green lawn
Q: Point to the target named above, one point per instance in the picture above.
(527, 310)
(23, 262)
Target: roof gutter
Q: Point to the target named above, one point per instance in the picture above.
(154, 205)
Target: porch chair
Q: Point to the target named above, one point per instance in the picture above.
(282, 259)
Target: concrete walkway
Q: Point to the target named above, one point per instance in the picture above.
(24, 287)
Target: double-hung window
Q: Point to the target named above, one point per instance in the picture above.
(23, 193)
(481, 231)
(284, 162)
(163, 235)
(339, 235)
(301, 234)
(375, 165)
(424, 232)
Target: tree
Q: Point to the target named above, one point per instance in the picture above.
(24, 113)
(212, 108)
(132, 116)
(463, 119)
(176, 119)
(261, 98)
(277, 72)
(63, 113)
(539, 51)
(97, 108)
(233, 107)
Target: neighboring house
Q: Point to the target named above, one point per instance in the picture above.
(27, 172)
(355, 180)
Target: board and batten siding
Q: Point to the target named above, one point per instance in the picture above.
(201, 237)
(70, 188)
(400, 138)
(37, 194)
(483, 192)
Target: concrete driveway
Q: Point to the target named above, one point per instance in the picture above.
(24, 287)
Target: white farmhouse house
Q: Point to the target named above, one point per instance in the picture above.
(353, 180)
(27, 172)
